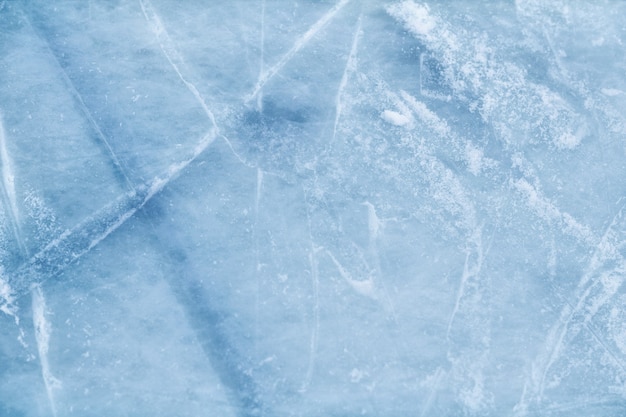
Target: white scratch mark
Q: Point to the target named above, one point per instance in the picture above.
(87, 113)
(549, 212)
(604, 249)
(316, 318)
(259, 100)
(7, 294)
(421, 73)
(257, 256)
(437, 378)
(471, 269)
(464, 277)
(300, 42)
(596, 287)
(8, 183)
(157, 186)
(350, 68)
(172, 54)
(364, 287)
(259, 187)
(42, 336)
(232, 149)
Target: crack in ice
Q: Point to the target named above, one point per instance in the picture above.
(82, 238)
(300, 42)
(350, 68)
(172, 55)
(43, 330)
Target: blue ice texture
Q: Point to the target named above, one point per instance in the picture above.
(312, 208)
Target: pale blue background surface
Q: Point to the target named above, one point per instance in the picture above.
(312, 208)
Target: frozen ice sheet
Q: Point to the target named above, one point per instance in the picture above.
(306, 208)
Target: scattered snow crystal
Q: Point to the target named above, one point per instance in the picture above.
(417, 17)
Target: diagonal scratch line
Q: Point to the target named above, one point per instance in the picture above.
(300, 42)
(43, 329)
(8, 186)
(315, 331)
(461, 291)
(76, 242)
(349, 69)
(171, 53)
(81, 103)
(605, 251)
(262, 57)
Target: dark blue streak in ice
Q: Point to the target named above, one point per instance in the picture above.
(74, 243)
(210, 328)
(80, 102)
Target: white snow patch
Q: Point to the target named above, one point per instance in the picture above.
(356, 375)
(429, 118)
(598, 41)
(547, 211)
(417, 17)
(474, 159)
(567, 140)
(395, 118)
(543, 208)
(474, 398)
(7, 299)
(365, 287)
(611, 92)
(373, 222)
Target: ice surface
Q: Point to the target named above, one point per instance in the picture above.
(312, 208)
